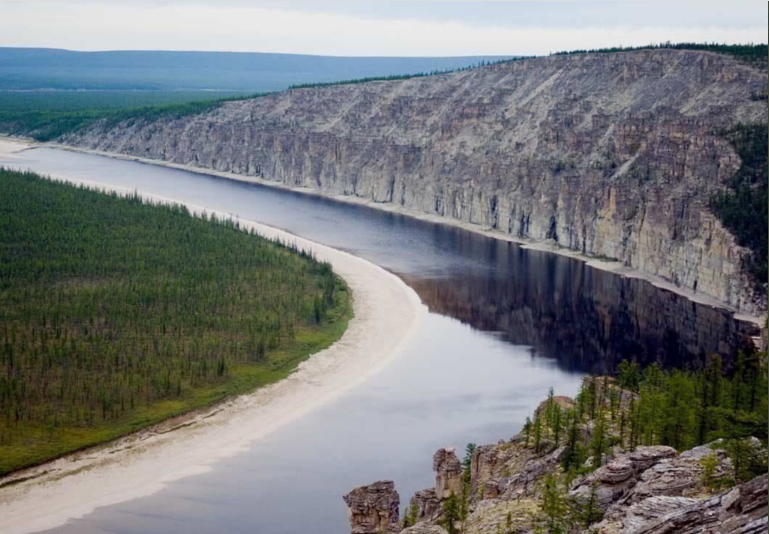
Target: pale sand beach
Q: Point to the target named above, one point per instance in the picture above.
(387, 313)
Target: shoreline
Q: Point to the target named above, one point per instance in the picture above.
(544, 246)
(387, 314)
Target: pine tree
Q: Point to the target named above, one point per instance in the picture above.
(451, 514)
(554, 511)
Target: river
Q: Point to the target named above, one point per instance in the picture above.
(505, 325)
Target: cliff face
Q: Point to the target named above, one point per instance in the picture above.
(613, 155)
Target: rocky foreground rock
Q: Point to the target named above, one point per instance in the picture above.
(647, 490)
(614, 155)
(373, 508)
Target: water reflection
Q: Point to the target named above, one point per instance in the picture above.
(589, 320)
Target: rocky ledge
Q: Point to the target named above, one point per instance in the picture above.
(507, 488)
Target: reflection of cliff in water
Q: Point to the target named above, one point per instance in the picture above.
(586, 318)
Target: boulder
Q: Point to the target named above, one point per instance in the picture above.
(373, 509)
(624, 519)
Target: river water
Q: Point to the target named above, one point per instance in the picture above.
(505, 324)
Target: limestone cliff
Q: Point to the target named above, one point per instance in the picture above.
(615, 155)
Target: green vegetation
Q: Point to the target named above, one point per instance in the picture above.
(116, 314)
(451, 514)
(395, 77)
(58, 100)
(682, 409)
(743, 206)
(755, 54)
(48, 124)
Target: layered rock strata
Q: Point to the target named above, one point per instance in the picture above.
(613, 155)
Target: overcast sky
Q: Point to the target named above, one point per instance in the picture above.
(374, 28)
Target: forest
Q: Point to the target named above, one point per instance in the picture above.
(742, 207)
(116, 313)
(49, 122)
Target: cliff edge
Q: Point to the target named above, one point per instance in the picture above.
(615, 155)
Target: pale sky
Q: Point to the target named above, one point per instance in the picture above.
(374, 28)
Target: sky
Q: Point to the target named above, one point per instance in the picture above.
(374, 28)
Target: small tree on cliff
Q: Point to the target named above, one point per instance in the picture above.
(554, 516)
(451, 514)
(410, 518)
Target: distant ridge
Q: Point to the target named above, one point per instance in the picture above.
(51, 68)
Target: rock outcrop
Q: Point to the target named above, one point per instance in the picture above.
(607, 484)
(643, 490)
(681, 476)
(426, 503)
(742, 510)
(374, 508)
(612, 155)
(448, 473)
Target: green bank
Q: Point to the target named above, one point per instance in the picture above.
(116, 314)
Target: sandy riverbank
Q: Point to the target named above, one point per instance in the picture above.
(610, 266)
(387, 313)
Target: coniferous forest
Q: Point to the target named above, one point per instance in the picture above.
(116, 314)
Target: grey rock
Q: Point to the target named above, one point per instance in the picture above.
(613, 481)
(448, 473)
(630, 519)
(611, 155)
(373, 509)
(427, 503)
(743, 510)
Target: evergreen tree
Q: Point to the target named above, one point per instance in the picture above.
(554, 511)
(451, 514)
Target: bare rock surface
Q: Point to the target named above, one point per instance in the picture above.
(423, 529)
(610, 155)
(629, 519)
(681, 476)
(611, 482)
(448, 473)
(374, 508)
(743, 510)
(427, 504)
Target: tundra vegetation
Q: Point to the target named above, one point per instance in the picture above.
(116, 314)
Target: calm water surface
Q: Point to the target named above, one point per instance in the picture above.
(505, 324)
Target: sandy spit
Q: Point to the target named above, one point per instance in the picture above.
(387, 314)
(604, 265)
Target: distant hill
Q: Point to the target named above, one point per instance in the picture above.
(47, 68)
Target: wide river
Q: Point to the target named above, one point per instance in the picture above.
(505, 324)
